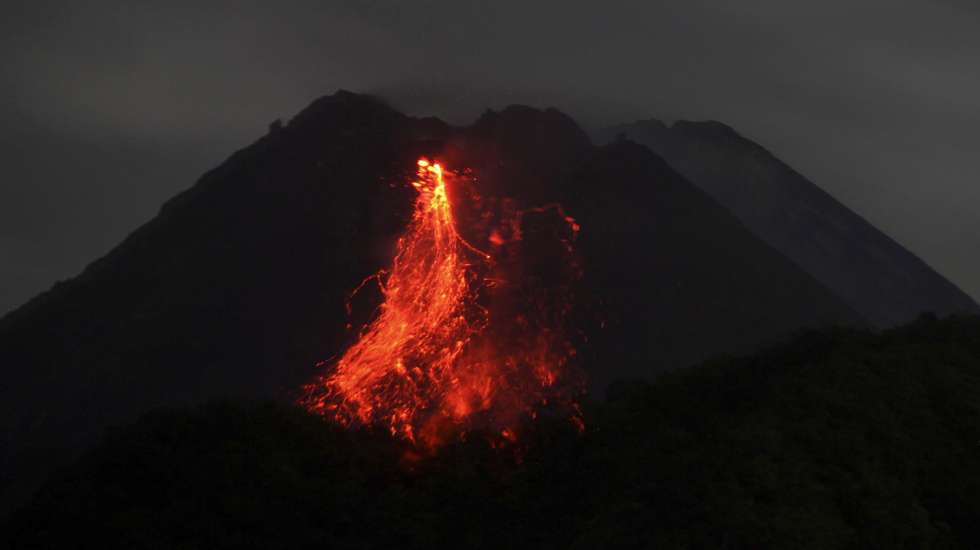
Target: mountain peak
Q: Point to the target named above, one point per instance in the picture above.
(651, 124)
(523, 122)
(344, 107)
(875, 275)
(706, 128)
(527, 141)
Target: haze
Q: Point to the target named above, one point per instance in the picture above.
(111, 108)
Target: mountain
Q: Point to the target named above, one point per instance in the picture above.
(836, 439)
(238, 287)
(875, 275)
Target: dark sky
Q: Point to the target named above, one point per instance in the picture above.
(110, 108)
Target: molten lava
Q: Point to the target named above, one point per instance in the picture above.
(459, 342)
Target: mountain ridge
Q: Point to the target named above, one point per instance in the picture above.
(870, 270)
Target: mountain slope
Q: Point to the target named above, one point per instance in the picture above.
(238, 287)
(870, 271)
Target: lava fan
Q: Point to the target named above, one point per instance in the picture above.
(465, 338)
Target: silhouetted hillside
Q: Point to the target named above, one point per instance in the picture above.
(238, 287)
(838, 439)
(871, 272)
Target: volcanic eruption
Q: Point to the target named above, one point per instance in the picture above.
(463, 339)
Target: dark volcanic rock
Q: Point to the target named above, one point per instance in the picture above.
(238, 287)
(871, 272)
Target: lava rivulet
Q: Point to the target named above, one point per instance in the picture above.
(444, 355)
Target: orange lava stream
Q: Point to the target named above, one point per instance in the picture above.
(417, 368)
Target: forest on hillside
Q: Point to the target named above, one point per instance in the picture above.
(839, 438)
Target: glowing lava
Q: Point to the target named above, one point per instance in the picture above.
(431, 365)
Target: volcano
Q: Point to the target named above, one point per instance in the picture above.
(240, 286)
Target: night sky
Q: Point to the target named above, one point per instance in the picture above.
(111, 108)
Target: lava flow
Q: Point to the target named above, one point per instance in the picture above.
(458, 343)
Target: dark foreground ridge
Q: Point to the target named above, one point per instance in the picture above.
(238, 287)
(838, 439)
